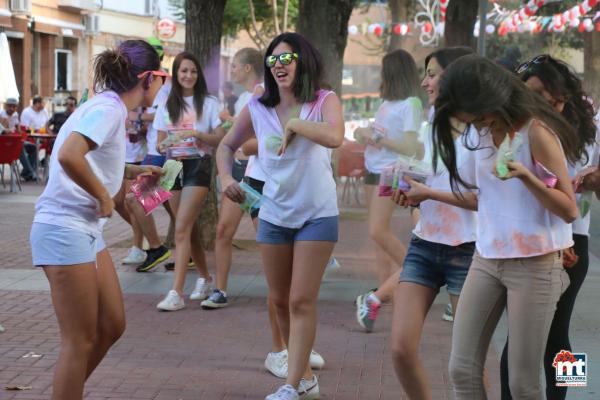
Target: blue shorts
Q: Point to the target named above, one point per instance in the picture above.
(157, 161)
(434, 264)
(57, 245)
(319, 229)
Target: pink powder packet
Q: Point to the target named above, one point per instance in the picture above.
(149, 193)
(386, 180)
(544, 174)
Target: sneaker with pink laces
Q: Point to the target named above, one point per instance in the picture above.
(366, 311)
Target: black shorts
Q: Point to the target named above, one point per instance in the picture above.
(239, 169)
(195, 172)
(258, 186)
(371, 179)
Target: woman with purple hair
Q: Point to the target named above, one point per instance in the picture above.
(66, 237)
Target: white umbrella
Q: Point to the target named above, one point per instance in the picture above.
(8, 83)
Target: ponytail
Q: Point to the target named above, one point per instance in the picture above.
(118, 69)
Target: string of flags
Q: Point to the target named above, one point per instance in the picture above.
(500, 21)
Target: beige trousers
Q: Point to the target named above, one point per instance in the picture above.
(528, 288)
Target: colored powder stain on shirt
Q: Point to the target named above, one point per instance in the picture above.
(530, 244)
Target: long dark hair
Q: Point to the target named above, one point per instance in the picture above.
(309, 70)
(176, 104)
(561, 82)
(399, 76)
(118, 69)
(477, 86)
(446, 55)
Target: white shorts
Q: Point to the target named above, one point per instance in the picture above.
(57, 245)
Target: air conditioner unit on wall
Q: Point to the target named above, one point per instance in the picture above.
(91, 24)
(20, 6)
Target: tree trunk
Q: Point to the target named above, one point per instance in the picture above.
(325, 24)
(399, 14)
(591, 64)
(203, 28)
(460, 22)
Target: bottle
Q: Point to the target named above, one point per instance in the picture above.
(84, 97)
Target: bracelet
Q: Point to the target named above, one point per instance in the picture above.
(377, 137)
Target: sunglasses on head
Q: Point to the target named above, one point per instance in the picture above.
(536, 60)
(149, 75)
(284, 59)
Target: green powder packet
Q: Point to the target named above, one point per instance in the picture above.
(172, 169)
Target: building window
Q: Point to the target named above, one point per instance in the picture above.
(63, 69)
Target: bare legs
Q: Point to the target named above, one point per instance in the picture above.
(389, 247)
(230, 215)
(294, 273)
(186, 205)
(89, 307)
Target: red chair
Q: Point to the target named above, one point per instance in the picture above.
(10, 149)
(351, 166)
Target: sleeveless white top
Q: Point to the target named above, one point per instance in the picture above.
(511, 222)
(299, 184)
(440, 222)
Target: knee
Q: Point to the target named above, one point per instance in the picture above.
(377, 234)
(525, 387)
(302, 305)
(460, 371)
(279, 303)
(112, 332)
(182, 232)
(403, 352)
(224, 232)
(80, 345)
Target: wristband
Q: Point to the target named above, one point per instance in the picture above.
(377, 137)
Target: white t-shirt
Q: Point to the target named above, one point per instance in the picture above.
(152, 134)
(253, 169)
(396, 118)
(134, 151)
(34, 119)
(63, 202)
(441, 222)
(208, 121)
(13, 119)
(581, 226)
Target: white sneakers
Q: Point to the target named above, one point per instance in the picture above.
(172, 302)
(276, 363)
(285, 392)
(316, 360)
(307, 390)
(202, 290)
(136, 256)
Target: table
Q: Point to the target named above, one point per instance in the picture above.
(38, 137)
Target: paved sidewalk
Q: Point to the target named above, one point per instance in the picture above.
(198, 354)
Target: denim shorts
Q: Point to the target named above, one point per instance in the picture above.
(157, 161)
(319, 229)
(57, 245)
(434, 264)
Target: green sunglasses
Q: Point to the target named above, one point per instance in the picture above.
(284, 59)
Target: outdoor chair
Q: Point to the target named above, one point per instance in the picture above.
(351, 167)
(10, 149)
